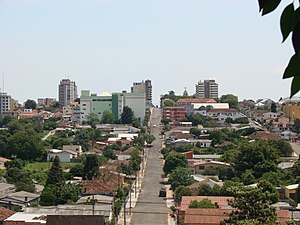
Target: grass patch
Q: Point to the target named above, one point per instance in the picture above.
(45, 166)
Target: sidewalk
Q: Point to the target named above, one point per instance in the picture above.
(133, 197)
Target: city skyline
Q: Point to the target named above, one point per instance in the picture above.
(105, 46)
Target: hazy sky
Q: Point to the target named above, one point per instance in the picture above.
(105, 45)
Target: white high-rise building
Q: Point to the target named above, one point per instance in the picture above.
(67, 92)
(207, 89)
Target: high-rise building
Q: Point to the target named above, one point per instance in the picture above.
(67, 92)
(5, 103)
(143, 87)
(207, 89)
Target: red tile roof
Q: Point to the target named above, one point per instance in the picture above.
(222, 201)
(197, 100)
(265, 136)
(4, 159)
(5, 213)
(205, 216)
(215, 216)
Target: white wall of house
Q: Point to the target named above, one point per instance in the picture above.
(63, 156)
(137, 102)
(221, 116)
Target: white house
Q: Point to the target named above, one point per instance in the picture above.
(63, 155)
(222, 114)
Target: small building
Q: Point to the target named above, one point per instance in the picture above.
(63, 155)
(290, 191)
(199, 167)
(20, 199)
(289, 136)
(4, 214)
(98, 199)
(2, 162)
(174, 113)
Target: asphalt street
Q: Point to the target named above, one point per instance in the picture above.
(151, 209)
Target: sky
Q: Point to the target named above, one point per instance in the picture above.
(106, 45)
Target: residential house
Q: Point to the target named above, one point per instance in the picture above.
(98, 199)
(222, 114)
(199, 167)
(18, 200)
(263, 135)
(291, 191)
(63, 155)
(289, 136)
(216, 216)
(2, 162)
(76, 220)
(221, 201)
(194, 187)
(4, 214)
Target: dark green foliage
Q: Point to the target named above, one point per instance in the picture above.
(258, 156)
(77, 170)
(149, 138)
(181, 191)
(289, 23)
(180, 177)
(20, 178)
(205, 203)
(30, 104)
(91, 166)
(127, 115)
(297, 126)
(168, 103)
(173, 161)
(15, 163)
(55, 174)
(252, 204)
(231, 99)
(108, 117)
(109, 154)
(248, 178)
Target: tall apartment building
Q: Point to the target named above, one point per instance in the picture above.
(67, 92)
(5, 103)
(143, 87)
(207, 89)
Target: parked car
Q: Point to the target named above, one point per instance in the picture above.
(162, 192)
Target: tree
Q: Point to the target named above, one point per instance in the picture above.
(168, 103)
(77, 170)
(273, 107)
(127, 115)
(181, 191)
(55, 174)
(91, 166)
(205, 203)
(173, 161)
(30, 104)
(252, 204)
(289, 23)
(284, 147)
(180, 177)
(149, 138)
(231, 99)
(204, 190)
(258, 156)
(108, 117)
(93, 120)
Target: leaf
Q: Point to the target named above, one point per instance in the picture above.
(295, 85)
(293, 68)
(296, 16)
(268, 6)
(296, 38)
(287, 21)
